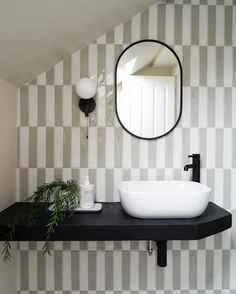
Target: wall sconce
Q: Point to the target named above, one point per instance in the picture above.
(86, 90)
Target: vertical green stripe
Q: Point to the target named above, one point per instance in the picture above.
(75, 270)
(127, 32)
(219, 66)
(178, 24)
(101, 64)
(202, 146)
(92, 262)
(41, 106)
(193, 269)
(211, 25)
(219, 149)
(186, 65)
(228, 25)
(118, 145)
(49, 147)
(109, 185)
(125, 270)
(225, 269)
(58, 270)
(152, 154)
(203, 66)
(50, 76)
(195, 25)
(211, 107)
(176, 269)
(108, 270)
(233, 149)
(142, 269)
(66, 147)
(24, 106)
(144, 24)
(161, 19)
(24, 270)
(218, 241)
(194, 107)
(234, 66)
(32, 147)
(169, 151)
(143, 174)
(75, 109)
(101, 146)
(110, 37)
(67, 71)
(41, 176)
(58, 106)
(84, 62)
(83, 147)
(23, 183)
(58, 173)
(228, 107)
(18, 146)
(41, 270)
(211, 180)
(185, 144)
(159, 278)
(227, 188)
(209, 269)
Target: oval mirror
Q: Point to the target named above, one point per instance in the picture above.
(148, 89)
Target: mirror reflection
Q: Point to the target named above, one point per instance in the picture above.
(148, 89)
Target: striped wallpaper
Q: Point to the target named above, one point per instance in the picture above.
(52, 143)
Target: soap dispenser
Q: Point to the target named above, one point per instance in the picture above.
(87, 194)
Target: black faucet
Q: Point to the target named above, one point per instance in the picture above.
(195, 166)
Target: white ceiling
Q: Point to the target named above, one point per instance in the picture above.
(36, 34)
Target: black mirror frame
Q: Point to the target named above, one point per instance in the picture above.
(181, 87)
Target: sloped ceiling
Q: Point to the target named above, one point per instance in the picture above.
(36, 34)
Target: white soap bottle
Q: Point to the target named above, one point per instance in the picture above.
(87, 194)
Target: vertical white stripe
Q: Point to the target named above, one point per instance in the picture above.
(233, 107)
(49, 174)
(203, 107)
(58, 73)
(143, 154)
(100, 185)
(186, 25)
(83, 270)
(168, 174)
(117, 269)
(152, 174)
(66, 277)
(210, 242)
(24, 147)
(219, 187)
(92, 61)
(217, 277)
(211, 66)
(110, 64)
(219, 110)
(227, 148)
(177, 154)
(126, 148)
(67, 106)
(201, 269)
(160, 153)
(211, 139)
(109, 147)
(135, 174)
(232, 269)
(33, 106)
(75, 67)
(101, 39)
(168, 278)
(151, 274)
(75, 146)
(49, 261)
(234, 26)
(152, 25)
(32, 270)
(186, 114)
(50, 106)
(169, 25)
(32, 183)
(116, 181)
(184, 268)
(18, 108)
(41, 79)
(41, 147)
(101, 106)
(220, 16)
(135, 30)
(194, 74)
(134, 272)
(203, 23)
(118, 34)
(228, 66)
(58, 147)
(233, 188)
(100, 271)
(194, 140)
(66, 174)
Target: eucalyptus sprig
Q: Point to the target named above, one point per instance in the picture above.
(63, 196)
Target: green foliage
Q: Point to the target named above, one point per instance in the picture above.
(62, 195)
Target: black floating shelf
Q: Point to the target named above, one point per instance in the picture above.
(112, 224)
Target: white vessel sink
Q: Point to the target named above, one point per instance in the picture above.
(163, 199)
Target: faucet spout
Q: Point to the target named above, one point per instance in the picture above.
(188, 166)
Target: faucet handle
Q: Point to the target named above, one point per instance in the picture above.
(195, 156)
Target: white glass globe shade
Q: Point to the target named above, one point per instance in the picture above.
(86, 88)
